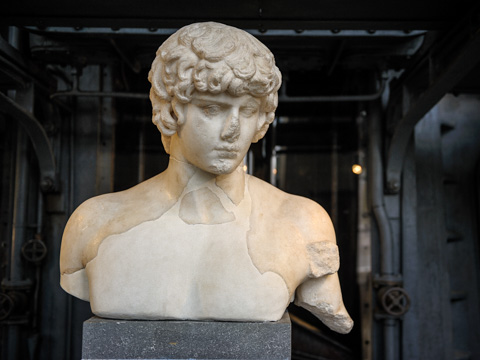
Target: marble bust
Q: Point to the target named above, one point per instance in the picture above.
(203, 240)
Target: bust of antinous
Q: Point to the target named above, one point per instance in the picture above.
(203, 240)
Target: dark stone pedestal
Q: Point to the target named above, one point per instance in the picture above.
(133, 339)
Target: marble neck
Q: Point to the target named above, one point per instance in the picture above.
(180, 174)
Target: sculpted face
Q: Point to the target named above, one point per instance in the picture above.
(217, 131)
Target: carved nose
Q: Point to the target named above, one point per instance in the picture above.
(231, 130)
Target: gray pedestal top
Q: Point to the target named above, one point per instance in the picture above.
(133, 339)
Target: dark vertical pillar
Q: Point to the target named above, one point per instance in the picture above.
(432, 298)
(412, 321)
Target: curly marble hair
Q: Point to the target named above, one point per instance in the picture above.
(215, 58)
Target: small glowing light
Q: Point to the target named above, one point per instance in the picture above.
(357, 169)
(274, 171)
(245, 168)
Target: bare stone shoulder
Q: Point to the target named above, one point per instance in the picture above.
(306, 214)
(84, 225)
(316, 235)
(104, 215)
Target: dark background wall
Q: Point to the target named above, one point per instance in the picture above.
(363, 83)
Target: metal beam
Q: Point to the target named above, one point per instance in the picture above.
(38, 136)
(454, 71)
(336, 33)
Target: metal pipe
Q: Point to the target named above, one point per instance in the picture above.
(341, 33)
(40, 205)
(19, 207)
(14, 36)
(376, 191)
(273, 168)
(19, 215)
(334, 98)
(38, 277)
(273, 154)
(78, 93)
(389, 326)
(334, 178)
(70, 207)
(383, 223)
(18, 232)
(250, 162)
(141, 153)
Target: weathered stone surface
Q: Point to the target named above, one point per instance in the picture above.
(120, 339)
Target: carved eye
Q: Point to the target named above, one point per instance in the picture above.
(211, 110)
(249, 111)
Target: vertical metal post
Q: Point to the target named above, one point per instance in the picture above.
(19, 207)
(364, 250)
(250, 162)
(19, 225)
(40, 206)
(334, 184)
(141, 153)
(273, 168)
(14, 36)
(20, 198)
(383, 222)
(390, 346)
(273, 158)
(70, 208)
(376, 192)
(105, 135)
(18, 233)
(25, 99)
